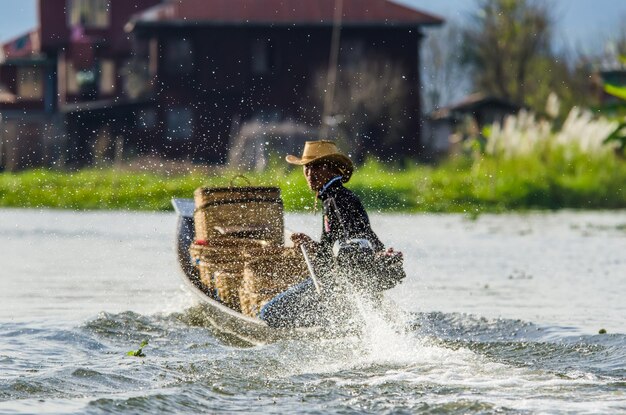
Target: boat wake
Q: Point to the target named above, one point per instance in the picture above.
(415, 362)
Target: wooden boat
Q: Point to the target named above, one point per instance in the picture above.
(232, 322)
(249, 329)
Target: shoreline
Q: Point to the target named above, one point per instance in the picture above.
(490, 186)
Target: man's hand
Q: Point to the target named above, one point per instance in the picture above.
(303, 239)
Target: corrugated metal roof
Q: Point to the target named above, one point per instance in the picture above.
(374, 12)
(471, 103)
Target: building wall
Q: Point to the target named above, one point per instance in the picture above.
(37, 129)
(56, 30)
(218, 80)
(28, 141)
(219, 75)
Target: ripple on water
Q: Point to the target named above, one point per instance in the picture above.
(430, 363)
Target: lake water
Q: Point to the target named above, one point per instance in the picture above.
(500, 314)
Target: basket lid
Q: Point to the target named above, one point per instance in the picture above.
(205, 196)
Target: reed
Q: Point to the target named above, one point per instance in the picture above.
(525, 163)
(567, 179)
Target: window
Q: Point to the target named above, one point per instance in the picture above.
(30, 83)
(107, 77)
(179, 123)
(79, 81)
(89, 13)
(178, 55)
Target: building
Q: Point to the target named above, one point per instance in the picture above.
(468, 117)
(173, 78)
(26, 102)
(64, 98)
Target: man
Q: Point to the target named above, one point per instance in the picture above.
(326, 170)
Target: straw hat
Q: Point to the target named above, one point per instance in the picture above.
(323, 151)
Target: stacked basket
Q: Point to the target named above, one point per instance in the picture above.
(243, 212)
(237, 229)
(265, 277)
(220, 264)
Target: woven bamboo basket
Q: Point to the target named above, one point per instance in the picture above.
(227, 252)
(244, 301)
(207, 272)
(273, 273)
(262, 250)
(220, 263)
(227, 285)
(253, 212)
(266, 276)
(252, 302)
(221, 255)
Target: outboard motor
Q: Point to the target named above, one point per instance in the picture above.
(352, 251)
(356, 262)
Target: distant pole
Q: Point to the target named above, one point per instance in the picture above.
(331, 77)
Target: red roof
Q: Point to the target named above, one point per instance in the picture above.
(285, 12)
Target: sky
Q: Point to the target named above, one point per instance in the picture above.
(584, 25)
(17, 17)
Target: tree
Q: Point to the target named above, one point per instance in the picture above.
(504, 43)
(508, 48)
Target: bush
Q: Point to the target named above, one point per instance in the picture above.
(526, 164)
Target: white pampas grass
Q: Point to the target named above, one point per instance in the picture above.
(525, 134)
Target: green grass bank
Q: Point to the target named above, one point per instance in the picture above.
(466, 184)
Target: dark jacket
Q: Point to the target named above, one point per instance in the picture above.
(344, 218)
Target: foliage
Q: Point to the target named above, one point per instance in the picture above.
(575, 165)
(94, 189)
(524, 134)
(565, 177)
(619, 136)
(139, 352)
(528, 162)
(615, 90)
(571, 81)
(506, 40)
(508, 50)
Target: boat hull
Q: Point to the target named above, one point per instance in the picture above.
(249, 329)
